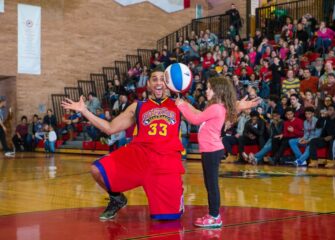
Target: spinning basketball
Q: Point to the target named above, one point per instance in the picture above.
(178, 77)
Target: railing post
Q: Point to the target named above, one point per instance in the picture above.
(220, 26)
(296, 9)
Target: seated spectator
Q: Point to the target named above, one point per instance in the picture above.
(325, 139)
(155, 60)
(290, 83)
(293, 128)
(228, 133)
(252, 56)
(324, 40)
(109, 93)
(165, 58)
(240, 90)
(108, 116)
(31, 143)
(232, 139)
(253, 133)
(207, 64)
(124, 103)
(275, 130)
(284, 50)
(252, 94)
(142, 82)
(193, 53)
(329, 87)
(93, 103)
(253, 82)
(310, 132)
(135, 72)
(50, 119)
(309, 99)
(68, 121)
(325, 103)
(318, 70)
(201, 103)
(93, 132)
(297, 107)
(308, 82)
(244, 66)
(274, 106)
(324, 78)
(258, 39)
(50, 141)
(20, 137)
(212, 36)
(41, 132)
(330, 57)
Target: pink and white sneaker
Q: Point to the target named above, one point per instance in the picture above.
(208, 222)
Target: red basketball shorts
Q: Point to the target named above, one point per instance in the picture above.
(135, 165)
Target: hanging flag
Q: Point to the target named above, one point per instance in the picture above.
(29, 39)
(2, 5)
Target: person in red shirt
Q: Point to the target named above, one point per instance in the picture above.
(20, 137)
(265, 74)
(293, 128)
(244, 65)
(309, 83)
(207, 64)
(153, 158)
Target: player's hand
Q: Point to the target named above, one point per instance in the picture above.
(76, 106)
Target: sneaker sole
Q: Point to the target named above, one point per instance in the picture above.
(209, 226)
(103, 219)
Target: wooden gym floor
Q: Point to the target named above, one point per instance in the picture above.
(55, 198)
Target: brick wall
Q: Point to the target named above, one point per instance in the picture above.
(79, 37)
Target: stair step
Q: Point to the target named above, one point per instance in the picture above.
(70, 147)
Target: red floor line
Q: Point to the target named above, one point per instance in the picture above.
(231, 225)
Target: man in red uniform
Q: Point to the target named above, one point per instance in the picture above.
(152, 160)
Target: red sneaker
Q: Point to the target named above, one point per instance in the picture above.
(208, 222)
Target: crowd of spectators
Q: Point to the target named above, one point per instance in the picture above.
(292, 75)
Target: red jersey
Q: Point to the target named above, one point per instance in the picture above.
(158, 125)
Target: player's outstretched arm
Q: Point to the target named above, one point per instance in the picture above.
(121, 122)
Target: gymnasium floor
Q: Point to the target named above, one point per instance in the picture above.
(55, 198)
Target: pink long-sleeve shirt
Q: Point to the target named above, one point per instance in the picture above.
(328, 34)
(211, 121)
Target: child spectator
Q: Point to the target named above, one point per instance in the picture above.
(50, 141)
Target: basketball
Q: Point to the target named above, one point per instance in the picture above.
(178, 77)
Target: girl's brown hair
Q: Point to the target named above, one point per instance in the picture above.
(224, 92)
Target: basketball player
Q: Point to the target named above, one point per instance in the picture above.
(152, 160)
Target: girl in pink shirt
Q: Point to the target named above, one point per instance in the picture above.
(325, 36)
(221, 97)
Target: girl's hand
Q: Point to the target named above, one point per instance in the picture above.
(179, 101)
(244, 104)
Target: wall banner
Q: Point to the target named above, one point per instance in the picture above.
(2, 6)
(29, 39)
